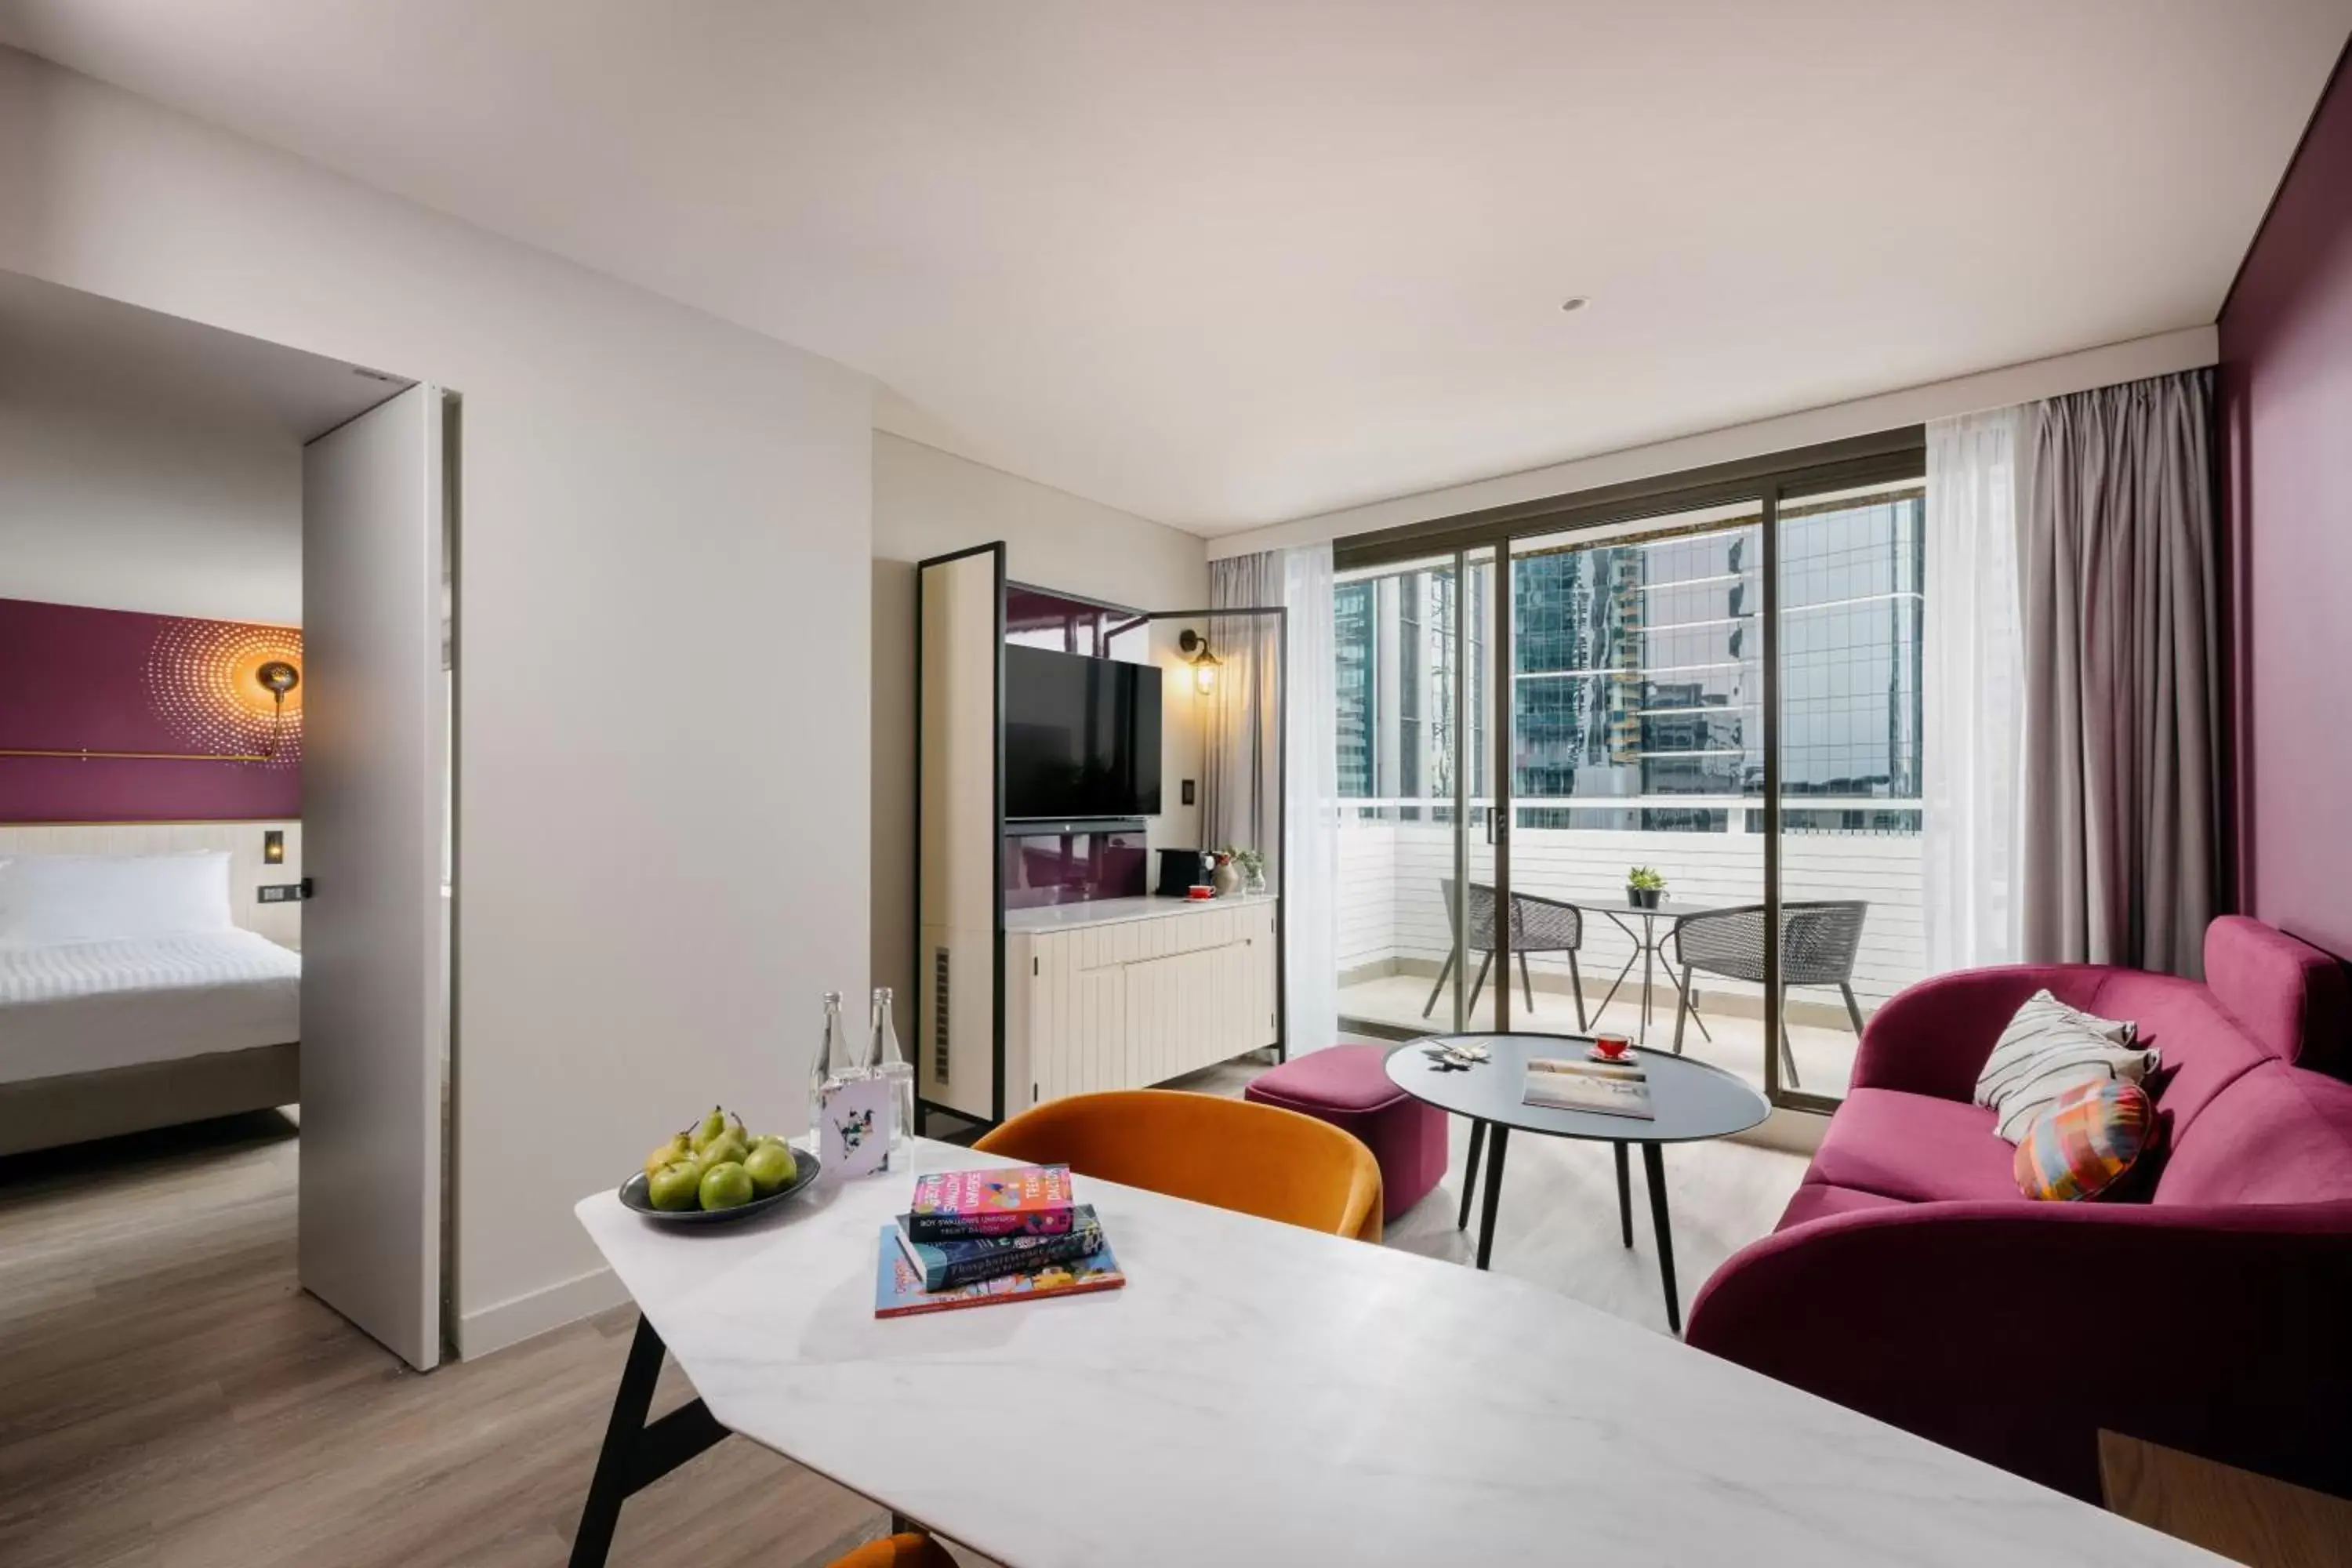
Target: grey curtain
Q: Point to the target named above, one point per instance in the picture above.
(1240, 766)
(2118, 567)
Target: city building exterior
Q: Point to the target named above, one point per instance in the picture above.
(1638, 677)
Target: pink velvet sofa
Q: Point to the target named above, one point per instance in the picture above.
(2209, 1309)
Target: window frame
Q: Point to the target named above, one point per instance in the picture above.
(1769, 480)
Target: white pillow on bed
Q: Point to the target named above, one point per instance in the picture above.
(48, 899)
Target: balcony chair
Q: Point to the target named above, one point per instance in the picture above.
(1818, 944)
(1228, 1154)
(1537, 925)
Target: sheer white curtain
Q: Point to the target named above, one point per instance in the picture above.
(1311, 881)
(1972, 694)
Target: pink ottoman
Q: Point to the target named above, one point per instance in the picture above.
(1347, 1087)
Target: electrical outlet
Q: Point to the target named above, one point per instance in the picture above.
(282, 892)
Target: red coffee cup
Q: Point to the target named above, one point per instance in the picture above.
(1612, 1046)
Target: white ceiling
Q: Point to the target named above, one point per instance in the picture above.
(60, 345)
(1226, 262)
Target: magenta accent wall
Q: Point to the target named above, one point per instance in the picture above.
(2286, 401)
(77, 680)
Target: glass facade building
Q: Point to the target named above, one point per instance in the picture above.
(1637, 676)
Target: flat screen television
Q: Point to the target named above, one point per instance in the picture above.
(1081, 735)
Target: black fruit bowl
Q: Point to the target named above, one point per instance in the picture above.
(805, 1169)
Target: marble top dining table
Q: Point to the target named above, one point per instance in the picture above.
(1259, 1393)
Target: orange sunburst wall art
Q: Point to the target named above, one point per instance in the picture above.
(116, 716)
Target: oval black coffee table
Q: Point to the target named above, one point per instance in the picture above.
(1693, 1100)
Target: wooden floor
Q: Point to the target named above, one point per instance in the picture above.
(169, 1398)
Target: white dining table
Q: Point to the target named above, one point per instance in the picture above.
(1259, 1393)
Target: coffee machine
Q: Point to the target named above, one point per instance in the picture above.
(1180, 871)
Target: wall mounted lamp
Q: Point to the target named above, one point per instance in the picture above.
(1195, 647)
(278, 678)
(273, 848)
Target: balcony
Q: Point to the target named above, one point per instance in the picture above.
(1395, 935)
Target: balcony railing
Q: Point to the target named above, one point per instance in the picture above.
(1395, 854)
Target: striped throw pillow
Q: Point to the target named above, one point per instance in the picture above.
(2086, 1142)
(2049, 1049)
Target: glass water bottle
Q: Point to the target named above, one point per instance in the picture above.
(832, 1060)
(891, 1065)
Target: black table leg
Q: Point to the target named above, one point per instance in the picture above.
(1654, 1172)
(1625, 1195)
(1470, 1171)
(635, 1455)
(1494, 1192)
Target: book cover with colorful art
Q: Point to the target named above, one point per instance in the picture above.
(1012, 1200)
(898, 1291)
(947, 1264)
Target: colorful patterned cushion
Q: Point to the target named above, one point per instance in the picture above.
(2086, 1141)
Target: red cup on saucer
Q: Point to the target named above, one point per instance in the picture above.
(1615, 1047)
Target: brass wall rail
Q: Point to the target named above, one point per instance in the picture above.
(140, 756)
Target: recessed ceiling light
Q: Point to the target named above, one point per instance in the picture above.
(1574, 304)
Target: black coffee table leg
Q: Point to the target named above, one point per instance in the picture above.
(1625, 1195)
(1470, 1171)
(1494, 1192)
(1654, 1172)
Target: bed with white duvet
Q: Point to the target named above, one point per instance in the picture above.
(130, 998)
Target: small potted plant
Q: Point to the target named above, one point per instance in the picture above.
(1249, 869)
(1644, 887)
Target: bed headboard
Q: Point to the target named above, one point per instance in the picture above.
(247, 872)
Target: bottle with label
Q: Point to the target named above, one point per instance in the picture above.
(836, 1061)
(891, 1065)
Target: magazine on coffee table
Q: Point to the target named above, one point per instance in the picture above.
(1605, 1089)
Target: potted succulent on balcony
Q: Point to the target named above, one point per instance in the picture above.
(1644, 887)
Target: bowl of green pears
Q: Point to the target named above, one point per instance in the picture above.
(717, 1169)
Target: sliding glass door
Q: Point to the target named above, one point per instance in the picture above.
(1635, 738)
(1417, 672)
(1590, 755)
(1849, 738)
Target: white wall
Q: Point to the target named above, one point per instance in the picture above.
(662, 788)
(2002, 388)
(929, 503)
(121, 505)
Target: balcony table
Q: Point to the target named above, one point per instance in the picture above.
(1649, 943)
(1261, 1394)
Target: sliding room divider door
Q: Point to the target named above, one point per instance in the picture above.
(374, 783)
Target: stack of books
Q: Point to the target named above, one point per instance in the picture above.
(973, 1237)
(1606, 1089)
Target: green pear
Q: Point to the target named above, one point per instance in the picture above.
(667, 1153)
(726, 1149)
(725, 1185)
(677, 1186)
(770, 1166)
(707, 1131)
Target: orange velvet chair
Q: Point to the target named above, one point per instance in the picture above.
(1255, 1159)
(907, 1550)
